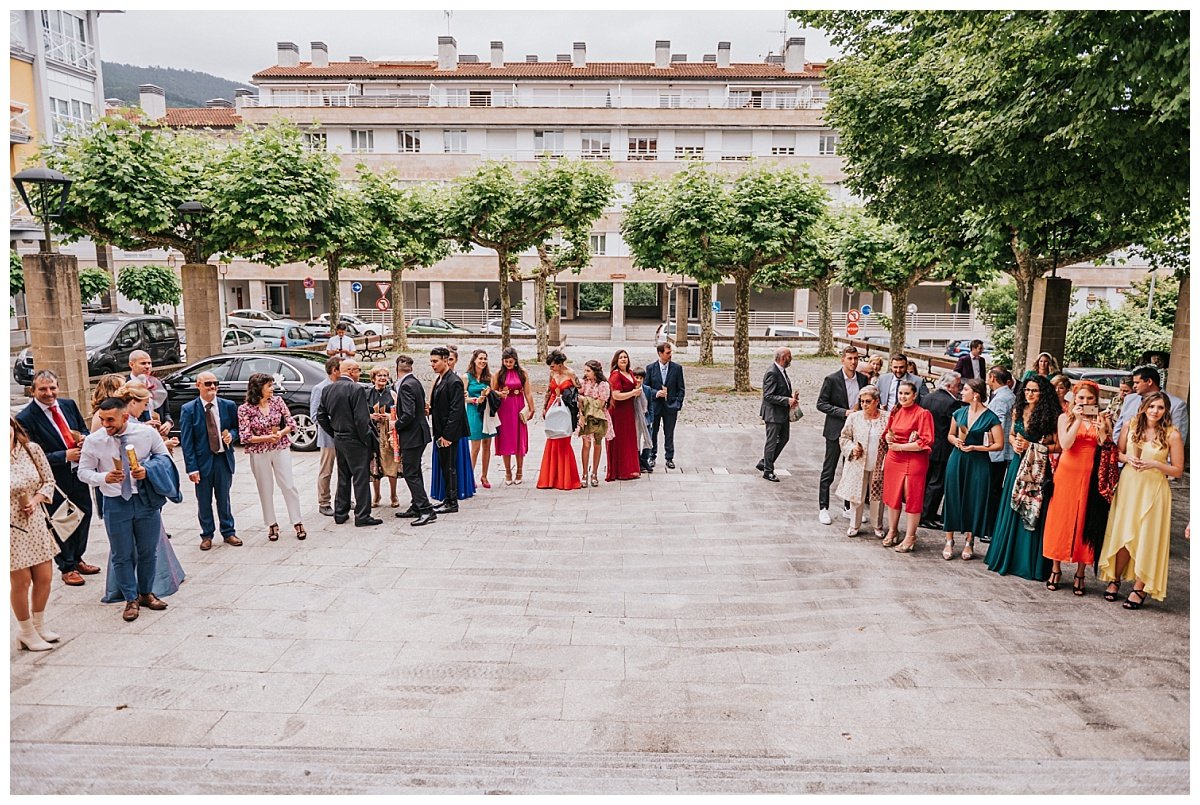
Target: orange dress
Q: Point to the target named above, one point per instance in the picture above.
(1062, 536)
(559, 470)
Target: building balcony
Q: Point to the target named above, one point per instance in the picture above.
(69, 51)
(19, 130)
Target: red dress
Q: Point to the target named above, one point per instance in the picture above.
(903, 465)
(1062, 537)
(623, 447)
(558, 461)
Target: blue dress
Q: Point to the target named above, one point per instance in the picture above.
(168, 573)
(476, 388)
(466, 477)
(1014, 549)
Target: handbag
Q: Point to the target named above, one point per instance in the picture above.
(67, 517)
(558, 421)
(1108, 471)
(795, 414)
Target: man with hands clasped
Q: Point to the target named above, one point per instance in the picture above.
(207, 429)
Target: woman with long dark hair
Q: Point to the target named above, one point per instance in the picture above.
(1016, 546)
(974, 433)
(264, 423)
(595, 422)
(31, 546)
(478, 381)
(512, 438)
(558, 469)
(623, 464)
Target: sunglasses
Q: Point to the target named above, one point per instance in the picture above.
(210, 384)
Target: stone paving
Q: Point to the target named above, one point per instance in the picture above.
(695, 630)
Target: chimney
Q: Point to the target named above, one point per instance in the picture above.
(468, 58)
(710, 58)
(447, 53)
(218, 103)
(497, 54)
(678, 57)
(531, 58)
(579, 54)
(793, 55)
(563, 57)
(153, 101)
(288, 54)
(662, 53)
(774, 58)
(722, 54)
(320, 54)
(241, 97)
(358, 59)
(113, 103)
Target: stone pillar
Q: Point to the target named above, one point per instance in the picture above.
(201, 310)
(681, 315)
(618, 311)
(1179, 373)
(56, 323)
(529, 300)
(1048, 319)
(800, 306)
(258, 295)
(437, 299)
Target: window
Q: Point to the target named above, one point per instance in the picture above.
(828, 145)
(596, 145)
(669, 100)
(67, 115)
(736, 146)
(689, 152)
(598, 242)
(454, 141)
(409, 142)
(643, 147)
(783, 144)
(128, 337)
(315, 141)
(156, 331)
(66, 39)
(219, 367)
(457, 97)
(231, 339)
(547, 144)
(480, 97)
(268, 366)
(689, 144)
(362, 141)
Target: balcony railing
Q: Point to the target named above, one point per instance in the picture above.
(70, 51)
(964, 322)
(19, 213)
(19, 130)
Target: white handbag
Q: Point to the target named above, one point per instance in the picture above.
(558, 421)
(66, 518)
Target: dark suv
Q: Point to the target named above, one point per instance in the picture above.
(109, 341)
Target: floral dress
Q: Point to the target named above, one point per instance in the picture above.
(30, 541)
(594, 419)
(253, 422)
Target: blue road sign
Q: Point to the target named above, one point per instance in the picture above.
(716, 306)
(865, 310)
(356, 287)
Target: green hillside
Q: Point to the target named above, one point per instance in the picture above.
(183, 87)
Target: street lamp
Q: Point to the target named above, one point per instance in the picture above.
(46, 183)
(191, 217)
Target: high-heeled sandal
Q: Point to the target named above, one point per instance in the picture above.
(1077, 585)
(905, 548)
(890, 539)
(484, 483)
(518, 479)
(879, 533)
(968, 552)
(948, 551)
(595, 479)
(1111, 595)
(300, 532)
(273, 532)
(1052, 582)
(1131, 604)
(508, 481)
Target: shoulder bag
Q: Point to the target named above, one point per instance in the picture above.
(67, 517)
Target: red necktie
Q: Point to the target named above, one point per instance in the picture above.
(63, 430)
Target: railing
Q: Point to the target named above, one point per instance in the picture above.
(921, 321)
(69, 51)
(19, 130)
(471, 318)
(726, 319)
(18, 212)
(16, 31)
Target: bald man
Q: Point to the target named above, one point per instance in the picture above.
(207, 430)
(141, 369)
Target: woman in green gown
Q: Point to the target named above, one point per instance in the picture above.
(974, 433)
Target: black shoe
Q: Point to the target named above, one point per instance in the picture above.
(326, 510)
(932, 525)
(408, 513)
(446, 509)
(340, 520)
(760, 467)
(367, 521)
(770, 476)
(652, 461)
(424, 519)
(647, 470)
(670, 464)
(982, 538)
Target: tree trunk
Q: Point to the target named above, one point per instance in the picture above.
(706, 325)
(899, 318)
(399, 328)
(741, 331)
(1023, 279)
(825, 329)
(334, 268)
(505, 301)
(539, 315)
(104, 260)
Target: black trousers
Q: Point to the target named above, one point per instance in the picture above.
(667, 417)
(995, 497)
(411, 461)
(448, 462)
(833, 454)
(354, 471)
(778, 434)
(72, 548)
(935, 490)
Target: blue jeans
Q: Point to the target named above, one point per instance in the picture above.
(217, 480)
(133, 527)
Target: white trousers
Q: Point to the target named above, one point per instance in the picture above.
(270, 468)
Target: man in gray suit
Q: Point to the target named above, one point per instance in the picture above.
(889, 383)
(777, 402)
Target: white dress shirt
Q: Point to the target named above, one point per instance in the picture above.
(341, 342)
(100, 449)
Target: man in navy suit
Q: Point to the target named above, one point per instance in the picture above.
(207, 430)
(665, 377)
(49, 422)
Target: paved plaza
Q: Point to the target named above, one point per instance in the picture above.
(696, 630)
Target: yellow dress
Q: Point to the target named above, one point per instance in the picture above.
(1140, 522)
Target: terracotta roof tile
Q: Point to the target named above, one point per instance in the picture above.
(540, 70)
(186, 118)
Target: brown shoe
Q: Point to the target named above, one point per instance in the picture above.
(233, 539)
(72, 579)
(206, 544)
(131, 611)
(86, 569)
(152, 601)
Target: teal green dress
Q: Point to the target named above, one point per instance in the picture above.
(475, 412)
(968, 479)
(1014, 550)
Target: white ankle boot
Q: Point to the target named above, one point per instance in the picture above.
(47, 635)
(30, 639)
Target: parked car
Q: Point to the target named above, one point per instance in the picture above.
(282, 334)
(249, 319)
(295, 375)
(322, 331)
(1104, 377)
(962, 346)
(233, 339)
(693, 331)
(108, 343)
(515, 327)
(434, 327)
(364, 327)
(790, 332)
(883, 342)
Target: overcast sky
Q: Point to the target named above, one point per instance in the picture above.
(235, 45)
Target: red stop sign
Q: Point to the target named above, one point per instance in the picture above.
(852, 328)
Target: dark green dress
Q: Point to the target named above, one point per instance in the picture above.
(1014, 549)
(968, 479)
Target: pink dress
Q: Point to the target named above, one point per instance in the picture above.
(512, 438)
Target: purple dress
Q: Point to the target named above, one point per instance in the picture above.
(512, 438)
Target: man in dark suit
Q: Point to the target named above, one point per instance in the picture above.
(665, 378)
(778, 400)
(942, 403)
(412, 432)
(344, 413)
(207, 430)
(972, 365)
(446, 404)
(839, 391)
(49, 422)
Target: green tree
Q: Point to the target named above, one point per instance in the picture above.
(1039, 138)
(996, 306)
(1113, 338)
(93, 282)
(16, 274)
(150, 286)
(595, 296)
(1166, 298)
